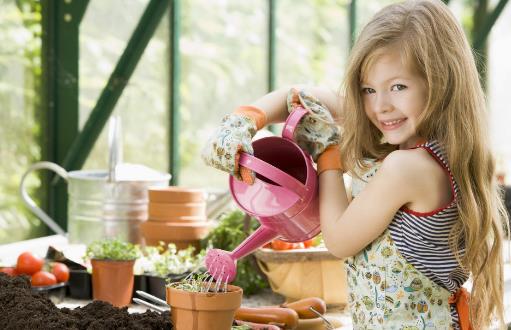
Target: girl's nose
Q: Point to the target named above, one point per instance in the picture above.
(382, 103)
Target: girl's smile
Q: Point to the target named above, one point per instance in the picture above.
(390, 125)
(394, 97)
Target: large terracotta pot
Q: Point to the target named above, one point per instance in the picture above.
(171, 211)
(175, 194)
(112, 281)
(180, 233)
(204, 311)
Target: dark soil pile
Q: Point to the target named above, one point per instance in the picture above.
(20, 308)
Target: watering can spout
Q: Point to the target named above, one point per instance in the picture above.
(258, 238)
(222, 264)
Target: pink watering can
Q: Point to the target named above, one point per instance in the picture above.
(284, 197)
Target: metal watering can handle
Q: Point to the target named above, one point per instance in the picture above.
(273, 173)
(29, 202)
(292, 121)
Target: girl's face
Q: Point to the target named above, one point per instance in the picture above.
(394, 96)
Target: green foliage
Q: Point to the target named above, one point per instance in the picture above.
(112, 249)
(227, 236)
(20, 132)
(162, 262)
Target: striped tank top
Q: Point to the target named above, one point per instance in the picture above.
(423, 238)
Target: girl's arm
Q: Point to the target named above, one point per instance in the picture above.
(275, 107)
(348, 228)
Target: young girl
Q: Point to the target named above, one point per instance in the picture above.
(430, 213)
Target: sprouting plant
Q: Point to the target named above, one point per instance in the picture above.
(112, 249)
(192, 284)
(163, 261)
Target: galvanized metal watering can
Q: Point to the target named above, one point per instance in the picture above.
(102, 203)
(284, 197)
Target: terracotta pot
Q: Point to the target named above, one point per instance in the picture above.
(204, 311)
(112, 281)
(184, 219)
(181, 234)
(171, 211)
(176, 195)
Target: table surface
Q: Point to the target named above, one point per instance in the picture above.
(9, 253)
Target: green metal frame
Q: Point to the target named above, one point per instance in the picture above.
(60, 23)
(352, 19)
(272, 52)
(174, 74)
(484, 31)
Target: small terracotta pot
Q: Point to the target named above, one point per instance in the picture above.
(176, 195)
(176, 230)
(184, 219)
(204, 311)
(181, 234)
(112, 281)
(170, 211)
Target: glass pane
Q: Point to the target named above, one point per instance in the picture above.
(312, 42)
(367, 9)
(499, 69)
(223, 47)
(143, 103)
(20, 26)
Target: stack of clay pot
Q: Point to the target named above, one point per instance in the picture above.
(176, 215)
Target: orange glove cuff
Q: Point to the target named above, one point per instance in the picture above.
(254, 113)
(330, 159)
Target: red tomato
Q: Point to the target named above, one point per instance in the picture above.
(29, 263)
(43, 278)
(60, 271)
(277, 244)
(11, 271)
(308, 243)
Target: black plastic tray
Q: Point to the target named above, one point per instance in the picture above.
(56, 293)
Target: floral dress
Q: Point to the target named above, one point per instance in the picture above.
(387, 291)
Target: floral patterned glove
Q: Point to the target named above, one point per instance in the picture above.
(234, 135)
(317, 130)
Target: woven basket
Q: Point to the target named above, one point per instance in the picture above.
(302, 273)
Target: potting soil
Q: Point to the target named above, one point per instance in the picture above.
(20, 308)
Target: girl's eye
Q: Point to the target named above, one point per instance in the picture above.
(367, 90)
(397, 87)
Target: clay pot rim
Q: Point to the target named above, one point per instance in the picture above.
(236, 291)
(175, 189)
(174, 194)
(113, 260)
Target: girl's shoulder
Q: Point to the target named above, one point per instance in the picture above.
(410, 162)
(424, 174)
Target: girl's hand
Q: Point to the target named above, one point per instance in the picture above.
(317, 130)
(234, 135)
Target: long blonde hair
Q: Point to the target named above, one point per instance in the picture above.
(434, 44)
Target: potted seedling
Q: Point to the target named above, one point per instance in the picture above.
(112, 270)
(199, 304)
(164, 263)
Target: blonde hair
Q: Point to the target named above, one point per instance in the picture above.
(433, 43)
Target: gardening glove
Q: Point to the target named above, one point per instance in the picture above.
(317, 133)
(233, 136)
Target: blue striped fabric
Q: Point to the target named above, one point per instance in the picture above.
(423, 238)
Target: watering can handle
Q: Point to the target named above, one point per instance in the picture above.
(292, 121)
(29, 202)
(273, 173)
